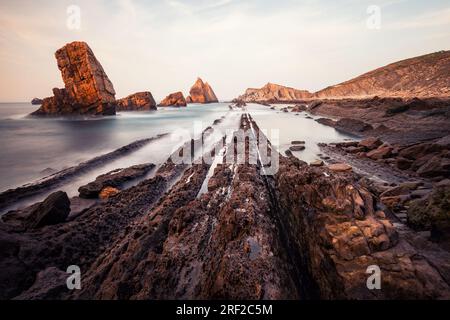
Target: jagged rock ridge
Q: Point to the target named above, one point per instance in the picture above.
(201, 92)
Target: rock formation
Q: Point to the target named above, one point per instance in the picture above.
(174, 99)
(36, 101)
(273, 93)
(88, 91)
(140, 101)
(424, 76)
(201, 93)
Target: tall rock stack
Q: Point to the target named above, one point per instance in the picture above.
(201, 93)
(88, 91)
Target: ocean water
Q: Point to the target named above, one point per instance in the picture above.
(31, 146)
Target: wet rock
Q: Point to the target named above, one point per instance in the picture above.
(114, 179)
(327, 122)
(370, 143)
(87, 87)
(108, 192)
(381, 152)
(433, 212)
(339, 167)
(36, 101)
(352, 125)
(50, 284)
(403, 163)
(297, 148)
(174, 99)
(53, 210)
(201, 93)
(401, 189)
(140, 101)
(435, 167)
(317, 163)
(299, 108)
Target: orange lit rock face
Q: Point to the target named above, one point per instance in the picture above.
(174, 99)
(140, 101)
(87, 87)
(274, 92)
(424, 76)
(201, 92)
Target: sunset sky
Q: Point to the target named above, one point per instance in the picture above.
(162, 46)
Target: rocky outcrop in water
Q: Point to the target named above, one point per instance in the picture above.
(53, 210)
(88, 91)
(201, 92)
(174, 99)
(36, 101)
(115, 179)
(274, 93)
(140, 101)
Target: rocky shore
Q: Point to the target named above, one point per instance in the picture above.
(307, 232)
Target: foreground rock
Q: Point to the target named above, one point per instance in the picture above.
(303, 233)
(113, 180)
(88, 91)
(140, 101)
(174, 99)
(53, 210)
(201, 93)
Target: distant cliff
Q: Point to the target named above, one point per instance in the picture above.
(424, 76)
(274, 92)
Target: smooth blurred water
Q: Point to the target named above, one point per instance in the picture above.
(295, 126)
(31, 145)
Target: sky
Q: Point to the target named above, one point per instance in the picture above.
(163, 46)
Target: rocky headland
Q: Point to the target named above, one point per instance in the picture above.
(201, 92)
(88, 90)
(273, 93)
(174, 99)
(140, 101)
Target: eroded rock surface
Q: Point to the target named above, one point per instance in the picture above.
(201, 92)
(174, 99)
(88, 90)
(140, 101)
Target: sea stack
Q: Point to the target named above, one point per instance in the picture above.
(88, 90)
(174, 99)
(201, 92)
(140, 101)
